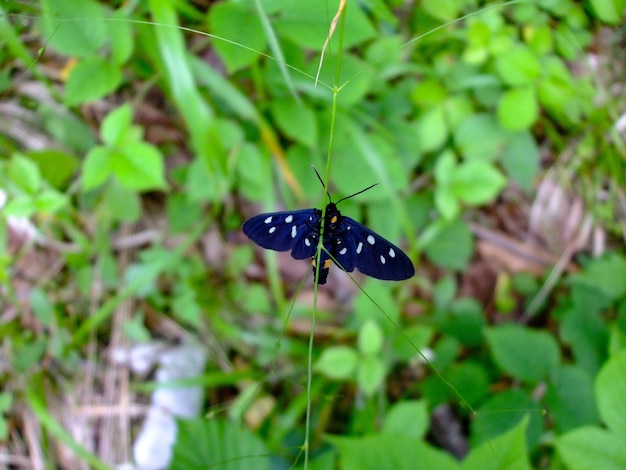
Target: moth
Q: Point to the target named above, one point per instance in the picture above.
(346, 242)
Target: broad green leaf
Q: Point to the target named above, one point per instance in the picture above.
(217, 443)
(517, 66)
(520, 159)
(390, 452)
(453, 247)
(296, 120)
(444, 10)
(74, 27)
(50, 201)
(464, 319)
(120, 32)
(432, 129)
(370, 339)
(518, 109)
(96, 168)
(92, 79)
(41, 306)
(605, 274)
(480, 137)
(307, 22)
(610, 393)
(470, 379)
(116, 125)
(584, 331)
(139, 166)
(338, 362)
(56, 167)
(24, 174)
(20, 206)
(370, 374)
(609, 11)
(72, 131)
(570, 398)
(415, 338)
(238, 29)
(365, 311)
(590, 447)
(476, 182)
(407, 418)
(428, 93)
(122, 203)
(507, 451)
(523, 353)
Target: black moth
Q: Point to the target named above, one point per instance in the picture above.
(351, 244)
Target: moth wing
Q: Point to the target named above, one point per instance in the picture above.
(284, 231)
(373, 255)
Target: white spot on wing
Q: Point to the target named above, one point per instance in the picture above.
(288, 219)
(392, 253)
(371, 240)
(382, 259)
(273, 229)
(359, 247)
(294, 231)
(343, 251)
(307, 242)
(268, 220)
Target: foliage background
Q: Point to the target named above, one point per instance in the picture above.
(133, 145)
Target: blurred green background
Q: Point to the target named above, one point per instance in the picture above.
(136, 137)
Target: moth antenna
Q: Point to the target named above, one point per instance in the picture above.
(359, 192)
(321, 181)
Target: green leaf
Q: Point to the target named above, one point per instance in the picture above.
(239, 29)
(41, 306)
(91, 79)
(296, 120)
(389, 452)
(605, 274)
(507, 451)
(217, 443)
(525, 354)
(432, 129)
(407, 418)
(24, 174)
(120, 32)
(589, 447)
(476, 182)
(253, 171)
(96, 168)
(610, 393)
(139, 166)
(55, 166)
(570, 398)
(520, 159)
(518, 108)
(338, 362)
(609, 11)
(464, 319)
(370, 374)
(306, 23)
(444, 10)
(20, 206)
(74, 27)
(517, 66)
(121, 203)
(370, 340)
(453, 247)
(415, 338)
(50, 201)
(116, 125)
(480, 137)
